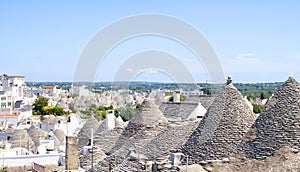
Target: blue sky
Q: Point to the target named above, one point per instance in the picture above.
(256, 41)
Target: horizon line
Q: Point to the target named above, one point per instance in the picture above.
(160, 82)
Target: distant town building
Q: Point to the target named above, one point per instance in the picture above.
(79, 91)
(51, 89)
(10, 118)
(11, 91)
(192, 93)
(6, 103)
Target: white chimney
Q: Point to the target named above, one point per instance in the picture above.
(92, 137)
(110, 119)
(176, 96)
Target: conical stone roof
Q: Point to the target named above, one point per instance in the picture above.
(181, 111)
(169, 140)
(104, 139)
(148, 114)
(37, 134)
(278, 125)
(221, 129)
(84, 134)
(147, 117)
(60, 135)
(145, 125)
(22, 139)
(57, 143)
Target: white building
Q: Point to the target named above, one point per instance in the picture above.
(11, 91)
(6, 103)
(51, 89)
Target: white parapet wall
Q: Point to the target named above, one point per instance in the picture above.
(22, 160)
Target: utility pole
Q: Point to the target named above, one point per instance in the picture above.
(20, 145)
(92, 159)
(28, 146)
(92, 144)
(187, 163)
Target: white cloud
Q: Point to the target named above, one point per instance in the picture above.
(247, 58)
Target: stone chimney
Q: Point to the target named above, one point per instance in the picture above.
(176, 96)
(71, 153)
(110, 120)
(229, 80)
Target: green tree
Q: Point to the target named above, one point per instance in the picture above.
(53, 110)
(138, 105)
(182, 98)
(168, 94)
(99, 112)
(57, 111)
(263, 95)
(3, 169)
(74, 95)
(206, 91)
(250, 97)
(257, 108)
(39, 104)
(126, 113)
(93, 108)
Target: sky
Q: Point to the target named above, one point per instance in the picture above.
(256, 41)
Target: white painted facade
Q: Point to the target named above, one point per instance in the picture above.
(6, 103)
(10, 118)
(49, 89)
(14, 85)
(11, 90)
(21, 160)
(74, 124)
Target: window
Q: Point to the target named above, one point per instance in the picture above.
(20, 91)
